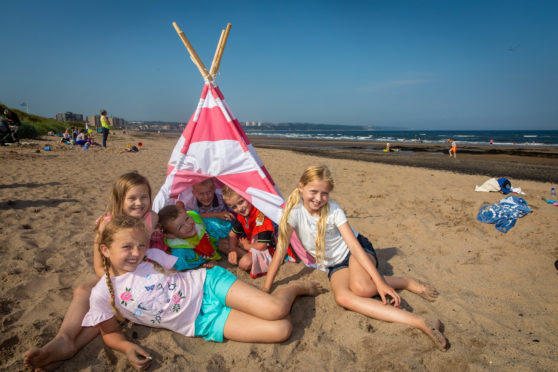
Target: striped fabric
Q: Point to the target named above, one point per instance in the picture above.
(213, 144)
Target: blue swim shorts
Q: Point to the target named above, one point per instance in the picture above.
(368, 248)
(210, 322)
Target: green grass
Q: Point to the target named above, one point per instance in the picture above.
(41, 124)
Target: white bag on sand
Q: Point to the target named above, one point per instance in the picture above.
(490, 185)
(260, 262)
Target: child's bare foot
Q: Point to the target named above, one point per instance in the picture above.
(49, 356)
(310, 288)
(424, 290)
(433, 330)
(35, 359)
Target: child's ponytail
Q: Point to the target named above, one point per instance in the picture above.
(320, 236)
(283, 240)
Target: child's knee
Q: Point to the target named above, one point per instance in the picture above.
(343, 299)
(245, 263)
(283, 330)
(363, 289)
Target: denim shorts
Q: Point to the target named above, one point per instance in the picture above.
(210, 322)
(368, 248)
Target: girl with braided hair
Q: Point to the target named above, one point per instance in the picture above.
(347, 256)
(140, 286)
(130, 196)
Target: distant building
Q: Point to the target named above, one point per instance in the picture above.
(117, 122)
(253, 124)
(69, 116)
(94, 121)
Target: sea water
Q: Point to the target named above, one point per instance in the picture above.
(500, 137)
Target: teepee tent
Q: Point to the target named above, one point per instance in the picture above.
(213, 144)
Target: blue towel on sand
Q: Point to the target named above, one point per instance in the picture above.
(505, 214)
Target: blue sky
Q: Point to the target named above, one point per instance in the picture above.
(420, 65)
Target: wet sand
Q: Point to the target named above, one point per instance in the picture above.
(537, 163)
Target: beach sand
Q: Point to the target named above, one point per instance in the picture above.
(498, 292)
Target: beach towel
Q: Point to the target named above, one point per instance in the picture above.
(505, 214)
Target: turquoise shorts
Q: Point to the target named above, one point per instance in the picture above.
(210, 322)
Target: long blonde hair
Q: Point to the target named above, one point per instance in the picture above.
(122, 185)
(115, 225)
(311, 174)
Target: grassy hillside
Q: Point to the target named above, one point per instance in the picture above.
(34, 125)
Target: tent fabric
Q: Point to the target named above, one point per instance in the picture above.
(213, 144)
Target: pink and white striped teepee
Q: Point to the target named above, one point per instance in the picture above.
(213, 144)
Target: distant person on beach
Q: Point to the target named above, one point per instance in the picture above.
(209, 303)
(453, 150)
(5, 132)
(80, 139)
(13, 120)
(491, 141)
(348, 257)
(130, 196)
(105, 126)
(388, 147)
(66, 136)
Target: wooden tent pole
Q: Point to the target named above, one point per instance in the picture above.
(224, 43)
(214, 62)
(195, 58)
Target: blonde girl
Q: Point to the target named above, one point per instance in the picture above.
(140, 286)
(131, 196)
(349, 258)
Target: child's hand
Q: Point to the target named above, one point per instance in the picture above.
(233, 257)
(244, 243)
(227, 216)
(385, 290)
(138, 358)
(209, 264)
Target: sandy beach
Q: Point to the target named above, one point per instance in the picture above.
(498, 292)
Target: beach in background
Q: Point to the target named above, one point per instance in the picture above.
(498, 294)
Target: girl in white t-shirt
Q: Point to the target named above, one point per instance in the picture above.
(349, 258)
(140, 286)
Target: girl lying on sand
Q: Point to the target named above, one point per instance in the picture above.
(211, 303)
(130, 196)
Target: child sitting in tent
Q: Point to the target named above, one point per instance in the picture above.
(252, 237)
(187, 238)
(211, 207)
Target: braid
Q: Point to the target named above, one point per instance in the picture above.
(157, 266)
(283, 239)
(106, 264)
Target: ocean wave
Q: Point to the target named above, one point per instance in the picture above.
(510, 138)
